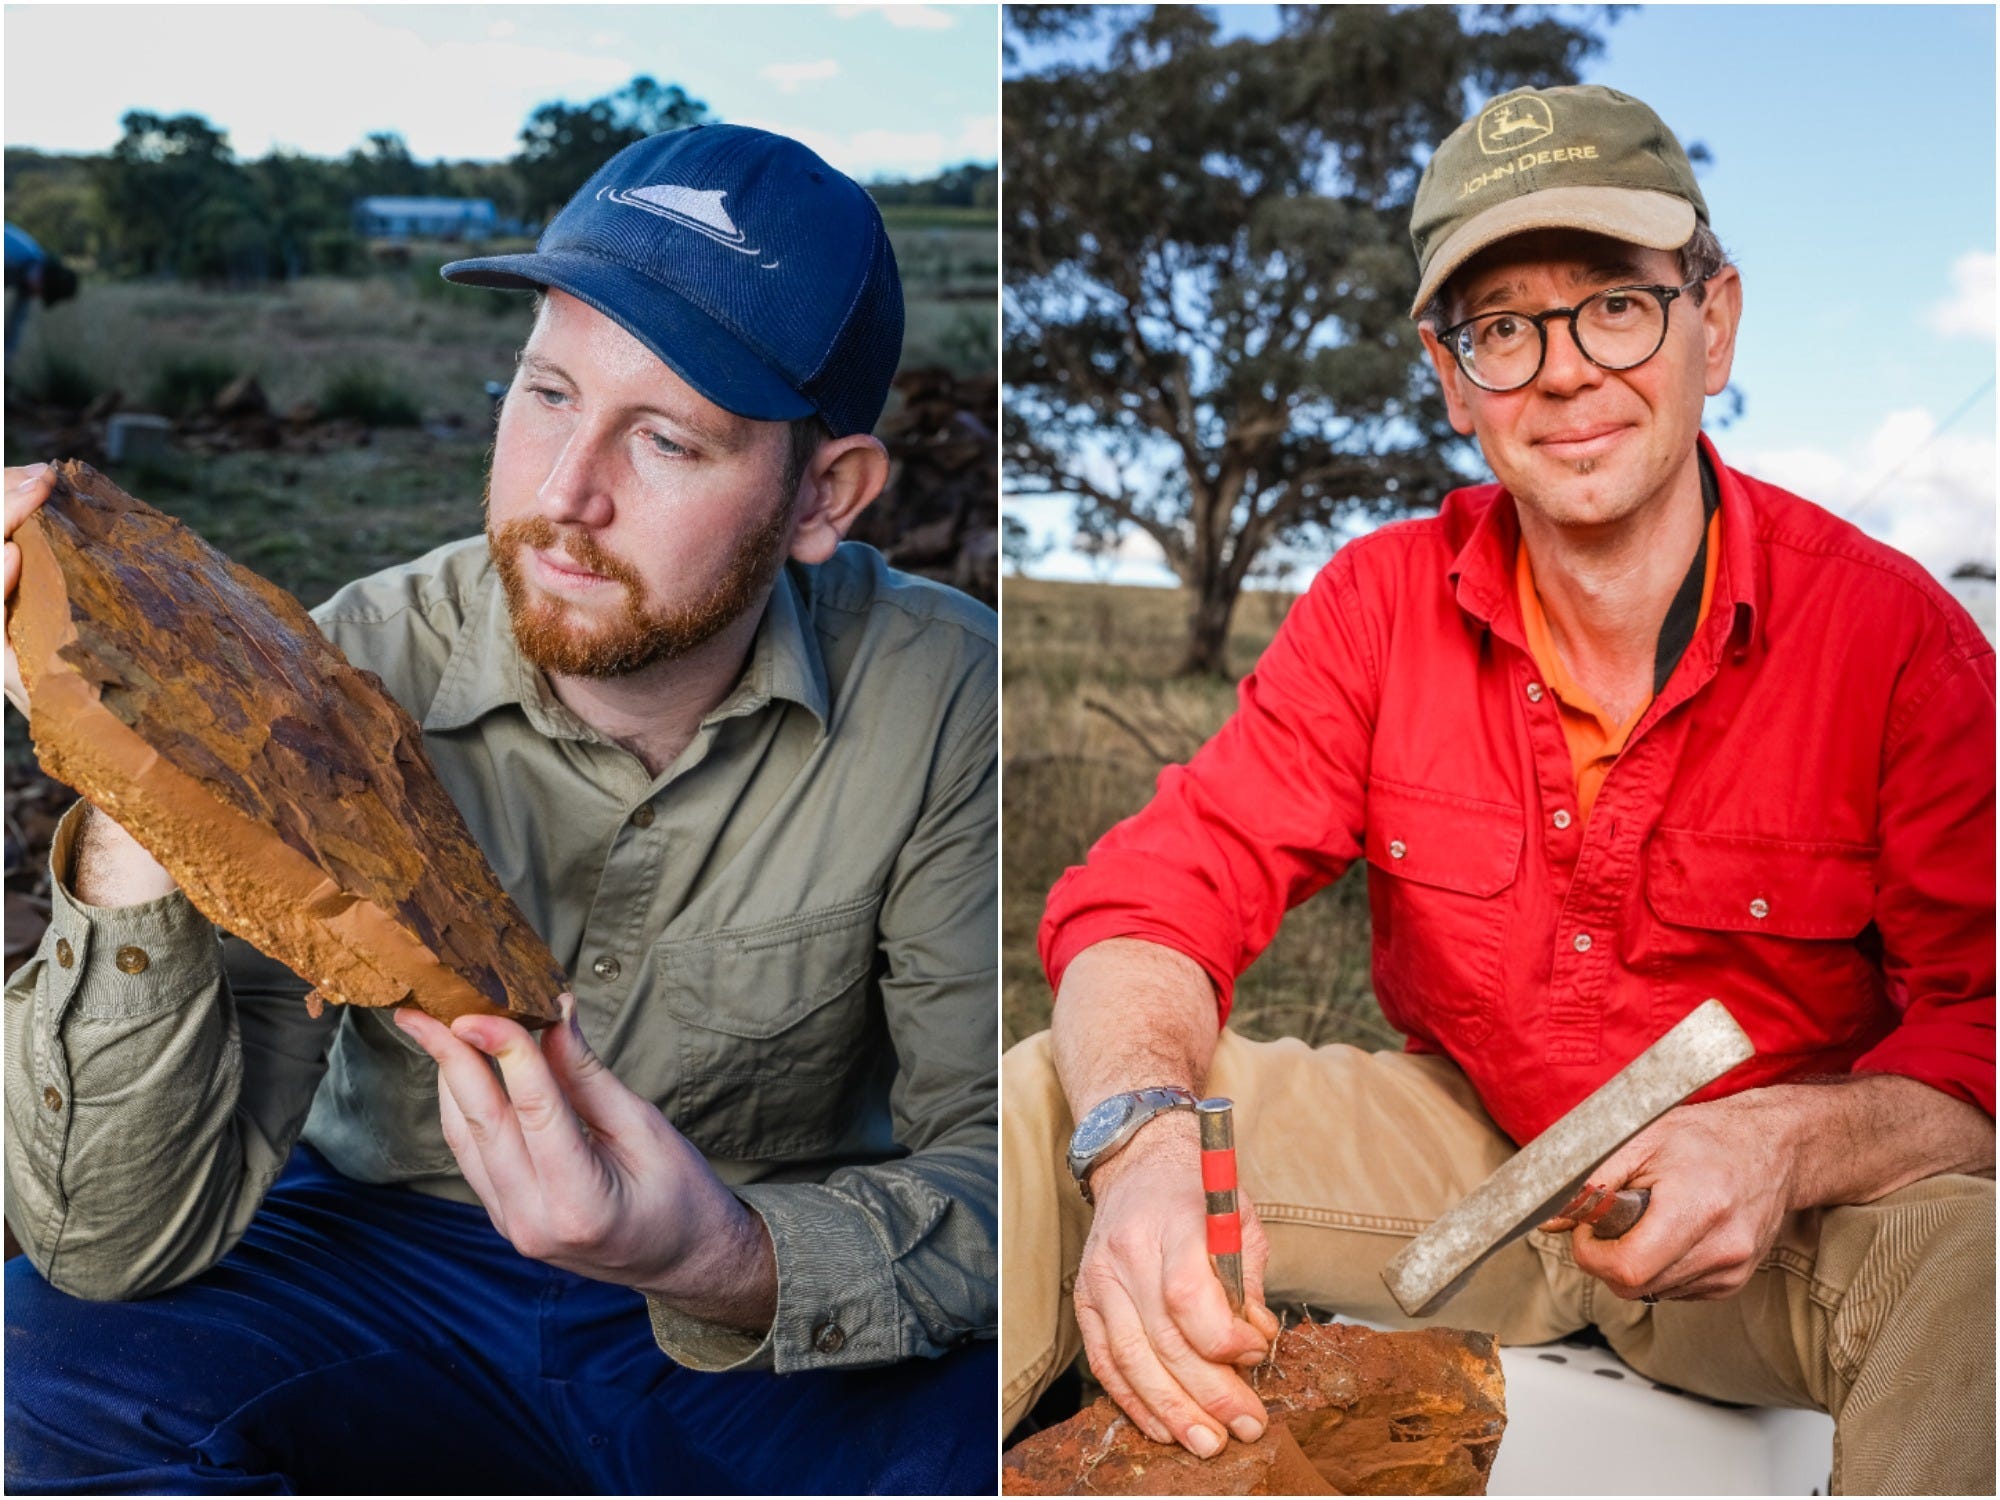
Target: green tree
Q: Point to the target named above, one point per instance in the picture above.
(1208, 271)
(1020, 548)
(383, 164)
(308, 206)
(175, 200)
(53, 198)
(562, 144)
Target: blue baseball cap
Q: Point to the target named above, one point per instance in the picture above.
(756, 272)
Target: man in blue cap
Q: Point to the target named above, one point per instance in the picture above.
(741, 777)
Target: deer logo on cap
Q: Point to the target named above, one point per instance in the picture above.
(1513, 123)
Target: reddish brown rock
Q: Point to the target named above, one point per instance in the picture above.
(1107, 1456)
(288, 794)
(1352, 1412)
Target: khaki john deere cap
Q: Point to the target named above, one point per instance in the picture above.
(1580, 157)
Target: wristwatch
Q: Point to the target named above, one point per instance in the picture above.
(1104, 1131)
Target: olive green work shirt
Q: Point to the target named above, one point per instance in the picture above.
(788, 940)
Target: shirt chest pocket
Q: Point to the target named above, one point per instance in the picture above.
(773, 1025)
(1776, 889)
(1765, 924)
(1442, 913)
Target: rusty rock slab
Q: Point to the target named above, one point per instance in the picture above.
(1351, 1412)
(286, 792)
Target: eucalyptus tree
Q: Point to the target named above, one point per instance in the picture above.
(1208, 274)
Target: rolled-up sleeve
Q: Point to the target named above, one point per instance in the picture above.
(899, 1260)
(1934, 879)
(136, 1153)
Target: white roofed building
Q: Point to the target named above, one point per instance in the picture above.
(389, 218)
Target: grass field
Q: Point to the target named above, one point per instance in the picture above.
(400, 337)
(1090, 712)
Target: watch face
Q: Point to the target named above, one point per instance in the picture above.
(1096, 1129)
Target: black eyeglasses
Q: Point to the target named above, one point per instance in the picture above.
(1619, 328)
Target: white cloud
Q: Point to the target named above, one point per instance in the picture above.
(980, 137)
(1937, 506)
(789, 76)
(499, 31)
(1968, 312)
(866, 154)
(918, 17)
(369, 71)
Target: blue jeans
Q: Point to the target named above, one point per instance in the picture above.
(374, 1340)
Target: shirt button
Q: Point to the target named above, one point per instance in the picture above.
(643, 817)
(132, 960)
(51, 1098)
(65, 955)
(829, 1338)
(1582, 943)
(1561, 819)
(606, 968)
(1760, 908)
(1534, 692)
(1397, 849)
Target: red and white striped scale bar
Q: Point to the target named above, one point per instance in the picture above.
(1218, 1182)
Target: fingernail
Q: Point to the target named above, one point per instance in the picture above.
(34, 473)
(1247, 1428)
(1204, 1442)
(566, 1005)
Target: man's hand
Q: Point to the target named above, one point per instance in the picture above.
(1724, 1174)
(25, 490)
(1155, 1322)
(1721, 1180)
(577, 1170)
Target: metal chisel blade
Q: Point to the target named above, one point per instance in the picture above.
(1545, 1174)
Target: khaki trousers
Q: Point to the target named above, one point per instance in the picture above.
(1881, 1315)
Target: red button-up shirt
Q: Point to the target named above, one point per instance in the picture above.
(1801, 824)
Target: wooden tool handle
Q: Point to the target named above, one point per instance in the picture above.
(1609, 1214)
(1615, 1213)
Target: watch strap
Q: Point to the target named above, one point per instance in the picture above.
(1148, 1105)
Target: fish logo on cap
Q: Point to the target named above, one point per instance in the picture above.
(698, 209)
(1514, 123)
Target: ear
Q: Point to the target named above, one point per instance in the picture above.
(1451, 378)
(1721, 312)
(840, 481)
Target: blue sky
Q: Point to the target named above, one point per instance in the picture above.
(1853, 182)
(877, 90)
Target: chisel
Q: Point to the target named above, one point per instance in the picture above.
(1218, 1181)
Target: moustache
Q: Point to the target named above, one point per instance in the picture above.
(581, 549)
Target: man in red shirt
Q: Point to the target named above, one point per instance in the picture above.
(1623, 732)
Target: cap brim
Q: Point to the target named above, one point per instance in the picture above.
(687, 340)
(1639, 216)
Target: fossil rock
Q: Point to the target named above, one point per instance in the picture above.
(1351, 1412)
(289, 795)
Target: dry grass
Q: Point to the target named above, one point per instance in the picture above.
(443, 347)
(398, 344)
(441, 342)
(1090, 714)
